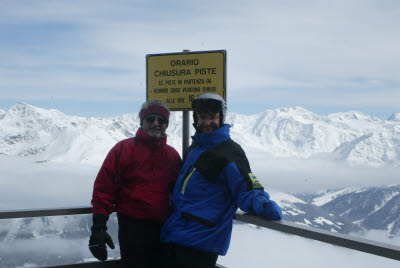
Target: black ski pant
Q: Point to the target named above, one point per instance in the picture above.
(177, 256)
(139, 241)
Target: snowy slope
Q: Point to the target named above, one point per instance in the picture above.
(27, 130)
(328, 196)
(300, 212)
(394, 117)
(370, 208)
(354, 137)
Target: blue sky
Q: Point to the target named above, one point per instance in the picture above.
(88, 57)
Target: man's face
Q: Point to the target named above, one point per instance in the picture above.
(154, 125)
(208, 122)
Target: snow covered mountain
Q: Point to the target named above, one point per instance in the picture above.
(304, 213)
(394, 117)
(353, 137)
(369, 208)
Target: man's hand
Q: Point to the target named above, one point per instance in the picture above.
(100, 237)
(98, 241)
(266, 208)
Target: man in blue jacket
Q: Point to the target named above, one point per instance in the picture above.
(214, 181)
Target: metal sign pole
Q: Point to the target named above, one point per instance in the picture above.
(185, 127)
(185, 133)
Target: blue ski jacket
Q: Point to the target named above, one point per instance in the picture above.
(214, 181)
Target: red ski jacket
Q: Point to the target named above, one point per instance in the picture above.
(136, 178)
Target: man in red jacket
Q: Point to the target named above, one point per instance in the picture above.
(136, 180)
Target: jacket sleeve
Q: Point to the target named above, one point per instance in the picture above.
(250, 196)
(106, 183)
(242, 183)
(243, 186)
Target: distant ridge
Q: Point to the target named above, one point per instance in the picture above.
(394, 117)
(353, 137)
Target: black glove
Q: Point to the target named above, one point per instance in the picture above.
(100, 237)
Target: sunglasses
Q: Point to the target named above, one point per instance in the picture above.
(151, 119)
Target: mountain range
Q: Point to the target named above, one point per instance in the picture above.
(352, 137)
(368, 208)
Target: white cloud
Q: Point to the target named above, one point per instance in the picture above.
(295, 175)
(49, 185)
(25, 184)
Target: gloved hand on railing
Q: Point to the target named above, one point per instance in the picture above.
(100, 237)
(263, 206)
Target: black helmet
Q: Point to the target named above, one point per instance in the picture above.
(209, 103)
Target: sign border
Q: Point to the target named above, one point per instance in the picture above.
(181, 53)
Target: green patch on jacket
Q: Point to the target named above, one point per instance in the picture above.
(255, 182)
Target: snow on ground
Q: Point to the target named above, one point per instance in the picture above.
(283, 197)
(325, 198)
(260, 247)
(322, 221)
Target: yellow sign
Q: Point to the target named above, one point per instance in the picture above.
(179, 78)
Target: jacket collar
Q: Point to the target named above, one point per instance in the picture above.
(212, 139)
(144, 138)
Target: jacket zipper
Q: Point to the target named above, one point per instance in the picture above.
(186, 181)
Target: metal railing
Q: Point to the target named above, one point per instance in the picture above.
(44, 212)
(363, 245)
(346, 241)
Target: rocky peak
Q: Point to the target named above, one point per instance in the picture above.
(394, 117)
